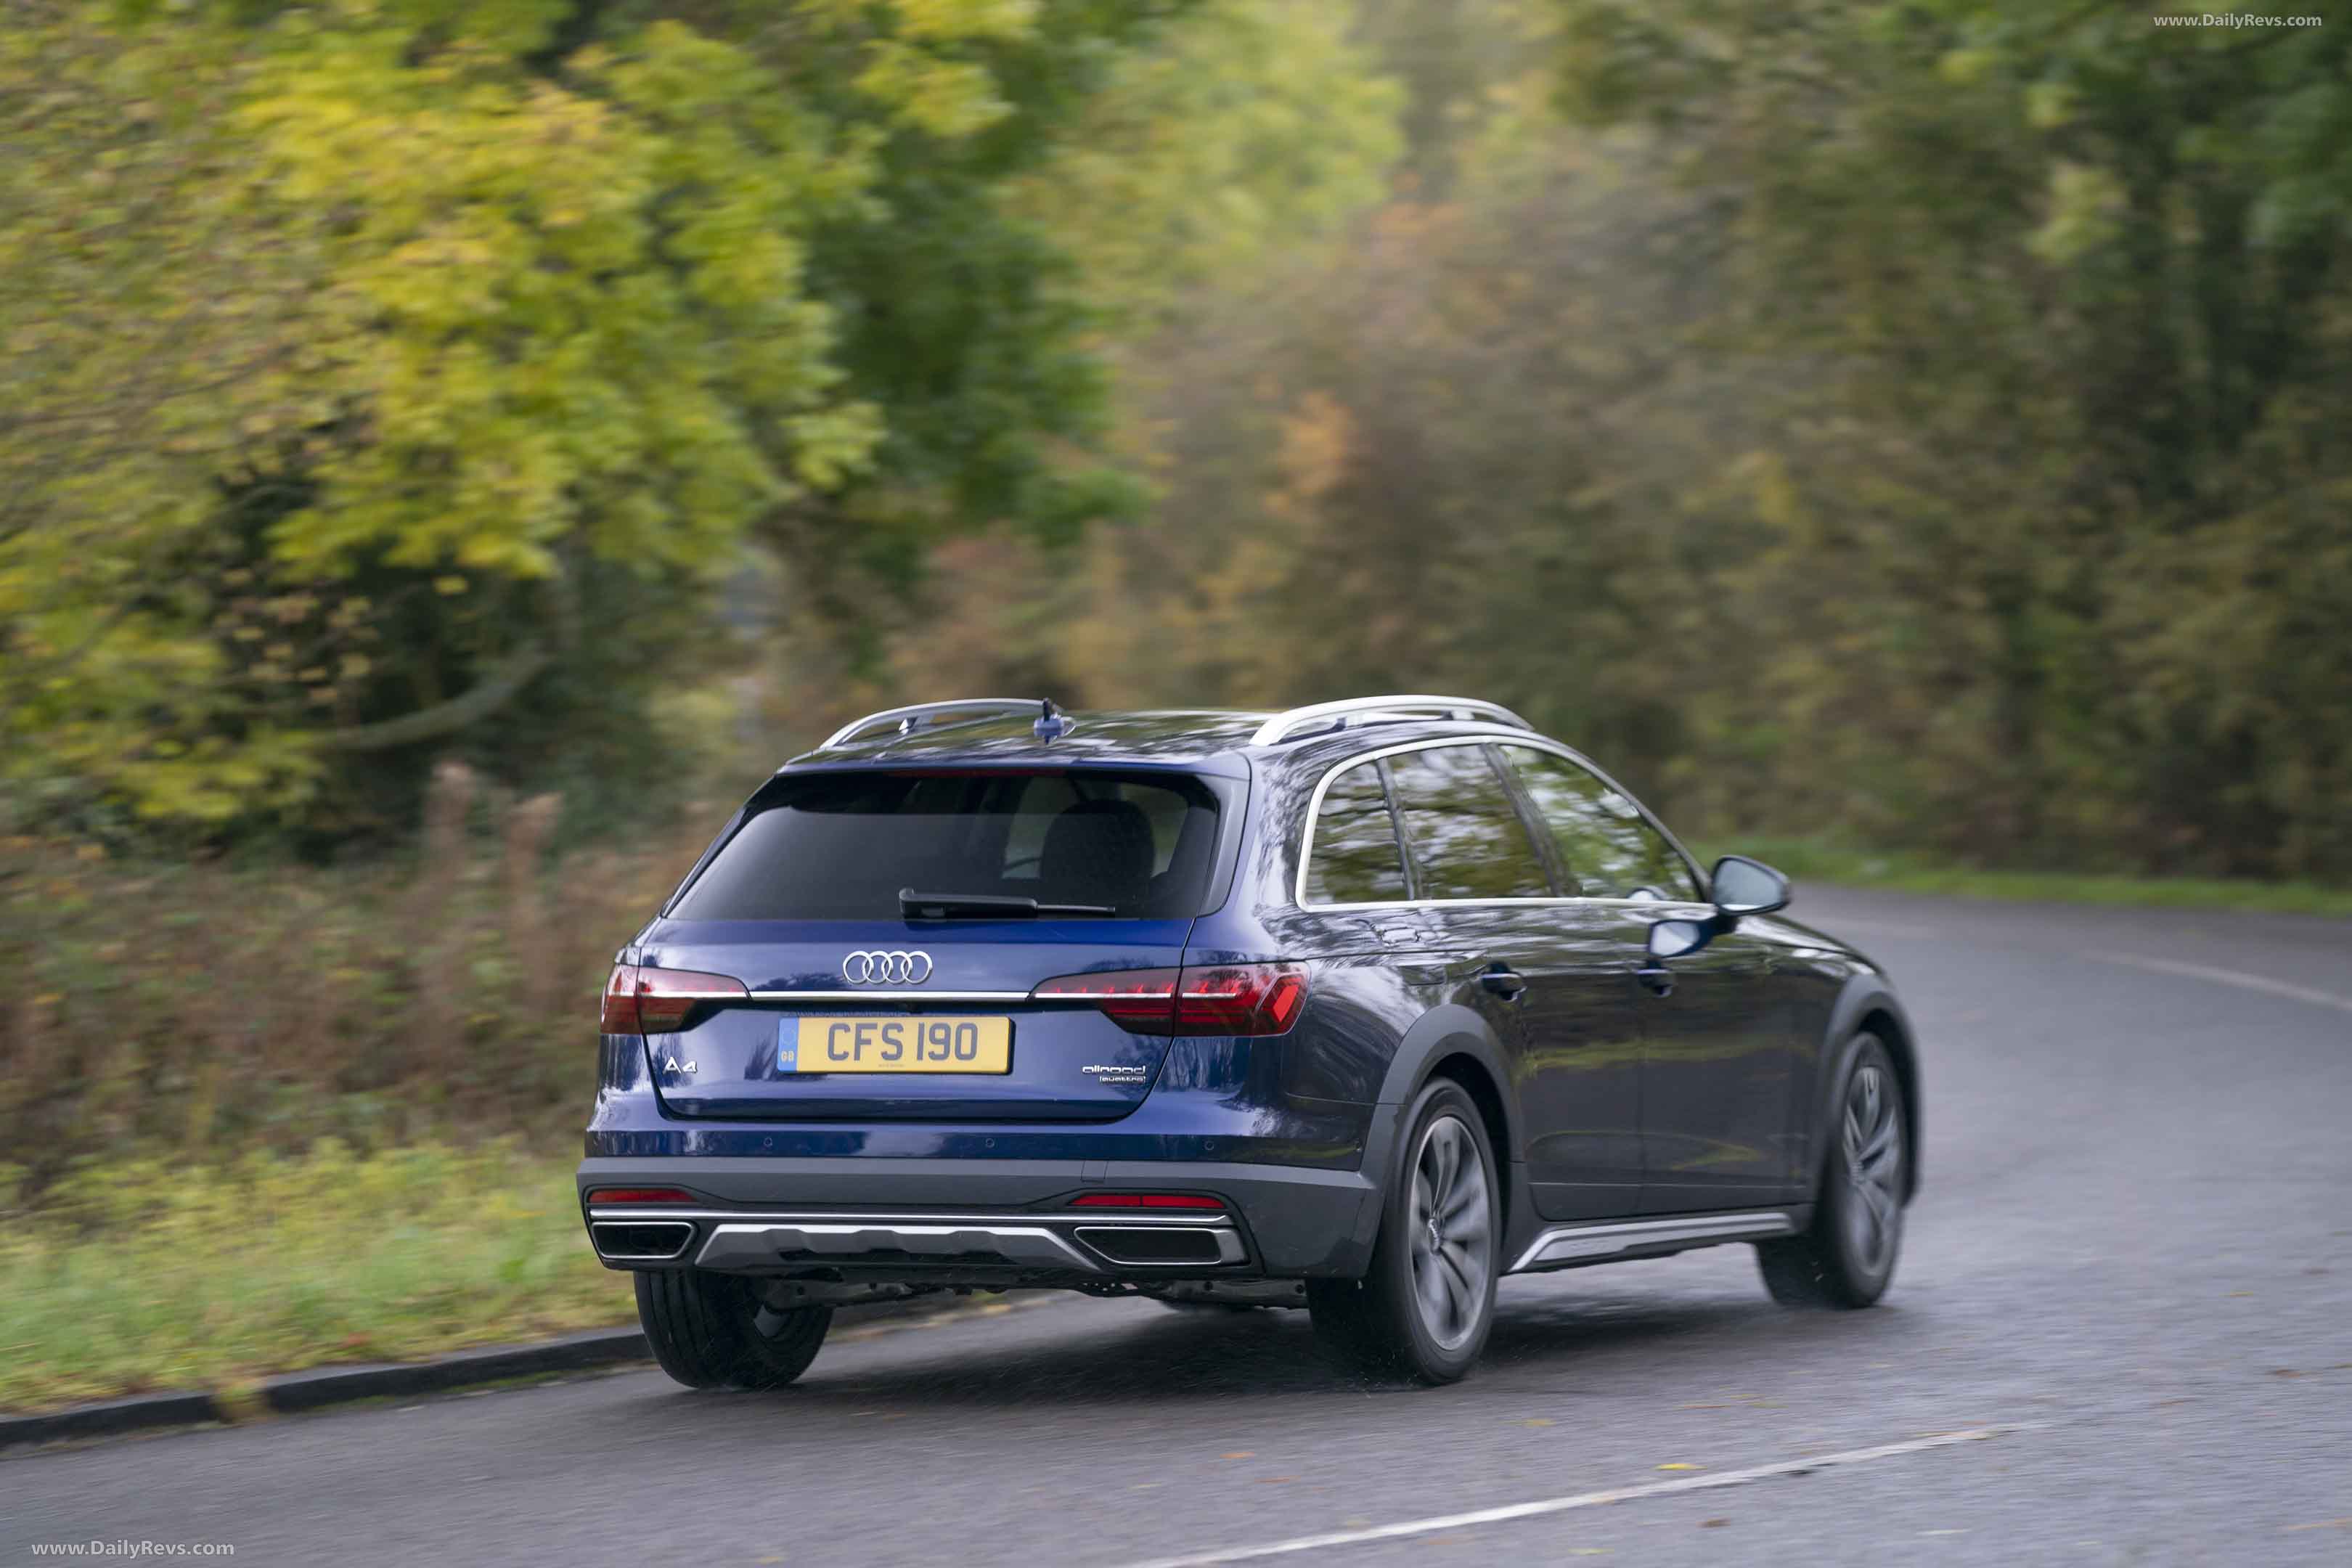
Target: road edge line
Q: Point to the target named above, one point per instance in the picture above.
(1543, 1506)
(2243, 980)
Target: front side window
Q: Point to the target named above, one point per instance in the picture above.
(841, 846)
(1607, 847)
(1354, 858)
(1468, 841)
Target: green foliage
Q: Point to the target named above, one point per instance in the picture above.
(138, 1278)
(444, 993)
(1252, 130)
(1921, 418)
(1810, 860)
(2071, 289)
(362, 358)
(1913, 422)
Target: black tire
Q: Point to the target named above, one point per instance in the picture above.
(1424, 1307)
(711, 1331)
(1847, 1257)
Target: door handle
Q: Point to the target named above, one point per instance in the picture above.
(1503, 980)
(1655, 978)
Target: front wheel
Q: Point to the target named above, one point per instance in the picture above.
(1424, 1307)
(712, 1331)
(1846, 1258)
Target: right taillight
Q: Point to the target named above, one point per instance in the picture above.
(1199, 999)
(643, 1001)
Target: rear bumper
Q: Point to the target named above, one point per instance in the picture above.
(981, 1220)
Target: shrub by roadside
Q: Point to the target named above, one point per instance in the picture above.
(151, 1275)
(202, 1010)
(1813, 859)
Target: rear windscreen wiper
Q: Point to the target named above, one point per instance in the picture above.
(949, 906)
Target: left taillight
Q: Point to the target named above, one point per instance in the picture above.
(1199, 999)
(639, 1000)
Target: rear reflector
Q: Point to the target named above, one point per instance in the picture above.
(639, 1196)
(1199, 999)
(641, 1001)
(1145, 1201)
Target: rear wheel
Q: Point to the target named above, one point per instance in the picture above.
(1847, 1257)
(1424, 1307)
(712, 1331)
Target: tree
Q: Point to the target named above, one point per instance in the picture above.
(2068, 290)
(372, 366)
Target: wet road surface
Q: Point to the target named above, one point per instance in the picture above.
(2129, 1276)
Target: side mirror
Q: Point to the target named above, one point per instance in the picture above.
(1678, 939)
(1745, 887)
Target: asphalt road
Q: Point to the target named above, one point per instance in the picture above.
(2131, 1270)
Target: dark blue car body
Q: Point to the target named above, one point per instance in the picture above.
(1634, 1105)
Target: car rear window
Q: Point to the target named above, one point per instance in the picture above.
(841, 846)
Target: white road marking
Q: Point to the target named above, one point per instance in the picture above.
(1581, 1500)
(2237, 977)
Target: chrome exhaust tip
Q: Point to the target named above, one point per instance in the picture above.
(1162, 1246)
(641, 1240)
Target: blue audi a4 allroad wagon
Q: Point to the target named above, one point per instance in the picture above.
(1358, 1007)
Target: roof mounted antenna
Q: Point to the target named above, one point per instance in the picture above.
(1050, 725)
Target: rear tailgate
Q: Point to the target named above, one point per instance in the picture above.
(870, 939)
(751, 1058)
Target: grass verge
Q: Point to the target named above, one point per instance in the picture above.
(131, 1278)
(1813, 860)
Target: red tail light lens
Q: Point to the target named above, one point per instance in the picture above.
(1145, 1201)
(639, 1196)
(1200, 999)
(642, 1001)
(1241, 999)
(1143, 1000)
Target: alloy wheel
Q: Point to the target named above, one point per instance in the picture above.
(1874, 1168)
(1452, 1233)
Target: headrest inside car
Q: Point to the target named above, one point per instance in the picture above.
(1097, 852)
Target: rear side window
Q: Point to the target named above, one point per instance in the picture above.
(1467, 839)
(1354, 858)
(841, 846)
(1606, 845)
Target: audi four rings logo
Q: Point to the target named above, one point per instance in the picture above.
(876, 968)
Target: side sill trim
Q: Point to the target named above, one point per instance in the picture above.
(1564, 1244)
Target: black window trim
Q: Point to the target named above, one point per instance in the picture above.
(1487, 738)
(1405, 856)
(1563, 884)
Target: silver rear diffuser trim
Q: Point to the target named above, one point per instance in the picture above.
(764, 1243)
(747, 1243)
(1569, 1244)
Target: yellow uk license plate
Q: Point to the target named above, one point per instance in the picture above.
(893, 1044)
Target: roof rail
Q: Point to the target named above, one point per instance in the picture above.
(910, 719)
(1352, 711)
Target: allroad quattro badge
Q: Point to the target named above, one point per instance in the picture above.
(878, 968)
